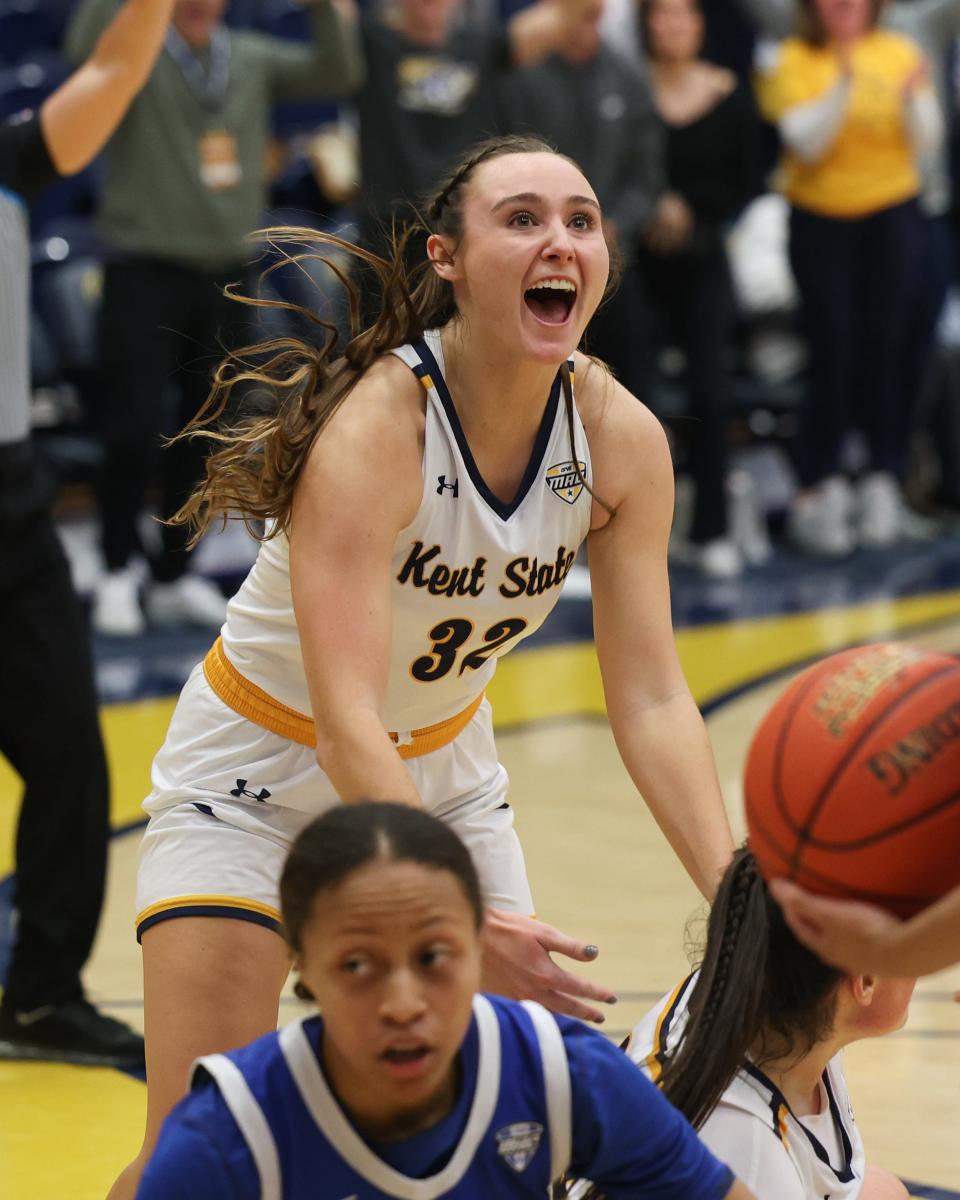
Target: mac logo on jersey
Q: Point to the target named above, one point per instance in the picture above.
(564, 480)
(517, 1144)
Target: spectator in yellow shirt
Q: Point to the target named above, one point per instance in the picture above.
(858, 119)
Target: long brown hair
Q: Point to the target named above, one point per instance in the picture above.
(292, 388)
(759, 991)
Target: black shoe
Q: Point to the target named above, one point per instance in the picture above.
(72, 1032)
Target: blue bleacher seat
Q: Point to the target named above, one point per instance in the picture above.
(27, 26)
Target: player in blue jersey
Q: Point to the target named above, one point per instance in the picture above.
(411, 1085)
(423, 498)
(750, 1050)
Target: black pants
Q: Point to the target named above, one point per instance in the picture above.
(691, 293)
(161, 326)
(49, 732)
(856, 280)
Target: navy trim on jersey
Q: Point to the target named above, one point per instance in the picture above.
(778, 1100)
(210, 910)
(660, 1050)
(504, 511)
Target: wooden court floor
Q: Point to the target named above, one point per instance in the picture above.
(599, 869)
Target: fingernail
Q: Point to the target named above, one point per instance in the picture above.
(591, 951)
(600, 1019)
(612, 1000)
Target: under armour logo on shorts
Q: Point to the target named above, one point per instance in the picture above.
(241, 790)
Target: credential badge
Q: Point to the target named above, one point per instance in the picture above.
(518, 1143)
(563, 480)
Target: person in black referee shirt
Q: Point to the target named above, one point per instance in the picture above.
(49, 729)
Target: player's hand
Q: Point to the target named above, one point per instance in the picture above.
(856, 937)
(517, 963)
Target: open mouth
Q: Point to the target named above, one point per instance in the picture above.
(551, 300)
(405, 1054)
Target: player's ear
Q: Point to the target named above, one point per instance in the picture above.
(440, 254)
(863, 988)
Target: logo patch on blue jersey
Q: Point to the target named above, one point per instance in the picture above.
(564, 481)
(518, 1143)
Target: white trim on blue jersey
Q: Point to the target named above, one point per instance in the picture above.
(351, 1147)
(249, 1117)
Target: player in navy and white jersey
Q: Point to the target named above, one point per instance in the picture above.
(424, 498)
(411, 1085)
(749, 1048)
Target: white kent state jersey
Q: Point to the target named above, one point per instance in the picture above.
(471, 575)
(754, 1131)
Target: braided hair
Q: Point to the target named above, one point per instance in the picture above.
(759, 992)
(291, 388)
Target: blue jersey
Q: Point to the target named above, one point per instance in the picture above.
(540, 1096)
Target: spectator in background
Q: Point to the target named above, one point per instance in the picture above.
(49, 730)
(711, 129)
(185, 185)
(934, 25)
(859, 120)
(593, 104)
(431, 92)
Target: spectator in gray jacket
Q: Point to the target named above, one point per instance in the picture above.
(185, 186)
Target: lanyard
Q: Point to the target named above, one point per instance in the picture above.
(208, 83)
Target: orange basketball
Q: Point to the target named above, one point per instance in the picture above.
(853, 779)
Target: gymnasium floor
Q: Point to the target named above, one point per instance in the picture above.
(598, 865)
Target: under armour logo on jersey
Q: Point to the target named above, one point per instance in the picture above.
(518, 1143)
(241, 790)
(443, 486)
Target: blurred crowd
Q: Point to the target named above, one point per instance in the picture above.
(776, 175)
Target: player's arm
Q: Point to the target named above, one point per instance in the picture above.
(627, 1138)
(361, 485)
(862, 939)
(83, 112)
(656, 723)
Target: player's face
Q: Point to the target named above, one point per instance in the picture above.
(844, 20)
(532, 264)
(392, 956)
(889, 1006)
(196, 20)
(675, 29)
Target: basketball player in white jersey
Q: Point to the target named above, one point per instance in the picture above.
(425, 497)
(749, 1048)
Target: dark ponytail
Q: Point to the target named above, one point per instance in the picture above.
(759, 992)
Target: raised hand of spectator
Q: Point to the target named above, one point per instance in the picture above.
(672, 226)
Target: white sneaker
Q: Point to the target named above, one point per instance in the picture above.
(819, 521)
(190, 600)
(116, 605)
(746, 519)
(879, 507)
(720, 559)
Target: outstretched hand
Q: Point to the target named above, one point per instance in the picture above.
(517, 963)
(857, 937)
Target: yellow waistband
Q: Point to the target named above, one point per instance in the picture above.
(252, 702)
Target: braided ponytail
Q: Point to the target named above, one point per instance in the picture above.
(759, 992)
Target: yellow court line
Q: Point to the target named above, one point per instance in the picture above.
(550, 682)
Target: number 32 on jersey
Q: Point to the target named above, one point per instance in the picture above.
(449, 639)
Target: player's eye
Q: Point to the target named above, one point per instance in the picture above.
(355, 964)
(434, 956)
(522, 220)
